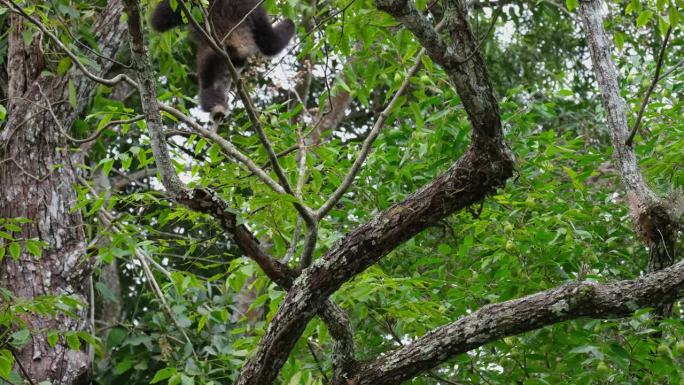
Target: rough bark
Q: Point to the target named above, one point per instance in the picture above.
(492, 322)
(483, 168)
(38, 173)
(656, 219)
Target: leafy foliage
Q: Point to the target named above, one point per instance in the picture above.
(564, 218)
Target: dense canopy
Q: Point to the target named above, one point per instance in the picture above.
(444, 192)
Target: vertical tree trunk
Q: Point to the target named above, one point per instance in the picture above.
(38, 172)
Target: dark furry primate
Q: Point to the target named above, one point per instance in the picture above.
(254, 34)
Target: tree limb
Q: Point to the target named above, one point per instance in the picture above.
(483, 168)
(657, 220)
(570, 301)
(651, 87)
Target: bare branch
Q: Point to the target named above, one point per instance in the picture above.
(656, 220)
(108, 82)
(570, 301)
(126, 179)
(651, 87)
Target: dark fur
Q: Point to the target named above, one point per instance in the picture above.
(254, 34)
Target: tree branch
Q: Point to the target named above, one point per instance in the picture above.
(483, 168)
(108, 82)
(656, 220)
(570, 301)
(651, 87)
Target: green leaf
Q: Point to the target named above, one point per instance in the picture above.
(73, 341)
(644, 18)
(116, 336)
(20, 337)
(619, 38)
(6, 363)
(63, 66)
(15, 250)
(3, 112)
(33, 247)
(27, 36)
(187, 380)
(295, 380)
(73, 102)
(163, 374)
(123, 366)
(571, 4)
(52, 338)
(105, 292)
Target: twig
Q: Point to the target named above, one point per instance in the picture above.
(311, 227)
(656, 77)
(140, 254)
(368, 143)
(92, 51)
(226, 146)
(92, 137)
(249, 106)
(125, 179)
(295, 239)
(475, 50)
(21, 366)
(258, 4)
(671, 70)
(108, 82)
(318, 361)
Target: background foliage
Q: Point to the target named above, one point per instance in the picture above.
(564, 217)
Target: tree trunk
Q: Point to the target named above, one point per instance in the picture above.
(38, 172)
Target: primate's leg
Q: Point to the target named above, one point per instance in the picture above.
(271, 39)
(164, 18)
(213, 81)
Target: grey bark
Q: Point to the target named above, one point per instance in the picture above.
(483, 168)
(492, 322)
(38, 173)
(656, 219)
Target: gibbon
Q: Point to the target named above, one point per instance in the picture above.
(254, 34)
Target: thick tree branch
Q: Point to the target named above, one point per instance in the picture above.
(657, 220)
(437, 47)
(203, 200)
(570, 301)
(483, 168)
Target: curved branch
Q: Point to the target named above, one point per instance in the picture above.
(479, 172)
(570, 301)
(108, 82)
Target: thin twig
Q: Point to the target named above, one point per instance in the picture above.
(249, 106)
(108, 82)
(226, 146)
(295, 239)
(671, 70)
(318, 361)
(656, 77)
(368, 143)
(258, 4)
(92, 137)
(21, 366)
